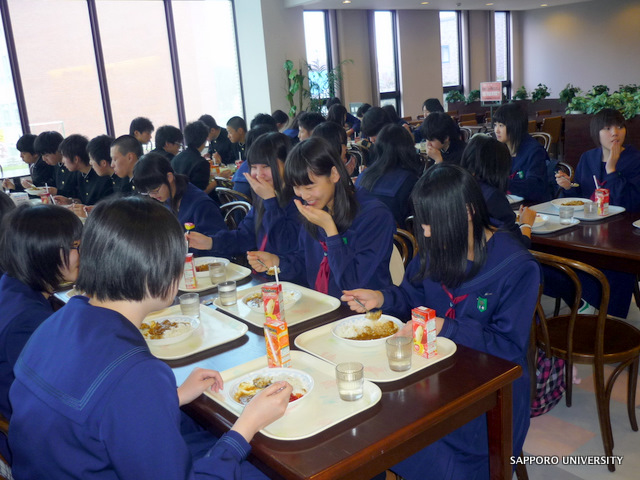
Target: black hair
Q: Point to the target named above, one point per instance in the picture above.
(256, 132)
(432, 105)
(443, 198)
(394, 148)
(141, 125)
(332, 101)
(75, 146)
(392, 113)
(36, 242)
(47, 142)
(6, 204)
(237, 123)
(514, 117)
(209, 121)
(605, 118)
(316, 156)
(25, 143)
(168, 134)
(337, 114)
(123, 239)
(128, 144)
(99, 148)
(263, 119)
(488, 160)
(195, 134)
(332, 133)
(151, 171)
(280, 117)
(439, 126)
(310, 120)
(362, 109)
(373, 121)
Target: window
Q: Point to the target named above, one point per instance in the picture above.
(450, 45)
(318, 53)
(386, 58)
(502, 50)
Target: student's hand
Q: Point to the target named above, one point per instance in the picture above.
(268, 259)
(563, 180)
(217, 159)
(198, 240)
(8, 183)
(197, 382)
(226, 173)
(318, 217)
(27, 183)
(434, 153)
(527, 215)
(265, 408)
(51, 190)
(78, 209)
(614, 156)
(369, 298)
(406, 330)
(263, 189)
(60, 200)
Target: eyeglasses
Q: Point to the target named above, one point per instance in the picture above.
(75, 245)
(155, 191)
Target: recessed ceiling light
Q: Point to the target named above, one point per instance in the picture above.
(346, 1)
(544, 5)
(488, 4)
(424, 3)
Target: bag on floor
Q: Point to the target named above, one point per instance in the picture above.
(550, 383)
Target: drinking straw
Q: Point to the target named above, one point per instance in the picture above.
(276, 270)
(596, 182)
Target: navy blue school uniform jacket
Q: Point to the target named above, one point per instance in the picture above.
(197, 207)
(495, 318)
(192, 164)
(66, 181)
(529, 171)
(92, 187)
(42, 173)
(500, 212)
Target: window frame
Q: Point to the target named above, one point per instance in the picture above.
(460, 85)
(394, 94)
(506, 84)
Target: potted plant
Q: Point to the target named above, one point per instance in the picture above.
(295, 85)
(520, 94)
(578, 104)
(568, 92)
(631, 88)
(541, 92)
(474, 96)
(599, 90)
(454, 96)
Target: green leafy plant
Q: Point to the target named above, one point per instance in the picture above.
(520, 94)
(626, 103)
(599, 90)
(541, 92)
(631, 88)
(474, 96)
(577, 104)
(295, 85)
(568, 92)
(454, 96)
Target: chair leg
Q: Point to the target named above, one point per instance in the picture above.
(636, 290)
(521, 470)
(556, 310)
(568, 380)
(602, 402)
(631, 394)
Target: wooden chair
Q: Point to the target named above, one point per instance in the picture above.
(234, 213)
(224, 182)
(541, 113)
(543, 138)
(468, 123)
(407, 245)
(453, 113)
(227, 195)
(591, 339)
(407, 119)
(553, 126)
(467, 117)
(532, 126)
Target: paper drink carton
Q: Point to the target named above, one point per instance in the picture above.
(602, 199)
(424, 332)
(190, 279)
(276, 332)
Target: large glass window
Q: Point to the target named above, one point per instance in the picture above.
(318, 52)
(450, 46)
(386, 58)
(208, 61)
(501, 35)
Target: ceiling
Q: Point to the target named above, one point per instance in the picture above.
(433, 4)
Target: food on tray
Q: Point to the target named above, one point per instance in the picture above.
(156, 330)
(368, 330)
(255, 301)
(573, 203)
(202, 268)
(373, 314)
(272, 270)
(249, 389)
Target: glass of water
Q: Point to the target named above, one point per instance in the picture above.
(190, 304)
(566, 215)
(227, 293)
(350, 379)
(217, 273)
(399, 352)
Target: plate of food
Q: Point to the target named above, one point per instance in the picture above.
(254, 300)
(575, 202)
(244, 388)
(169, 330)
(36, 191)
(360, 331)
(540, 220)
(202, 265)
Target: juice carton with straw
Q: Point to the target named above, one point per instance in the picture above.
(602, 199)
(276, 332)
(190, 280)
(424, 332)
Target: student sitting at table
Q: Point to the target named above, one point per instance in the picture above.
(483, 285)
(281, 118)
(293, 130)
(153, 176)
(307, 122)
(220, 149)
(168, 141)
(443, 138)
(39, 172)
(99, 150)
(47, 144)
(372, 122)
(392, 113)
(396, 170)
(337, 137)
(38, 253)
(347, 236)
(352, 122)
(141, 129)
(87, 374)
(615, 166)
(431, 105)
(272, 223)
(529, 158)
(190, 161)
(237, 131)
(125, 152)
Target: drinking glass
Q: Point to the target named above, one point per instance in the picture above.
(217, 273)
(566, 215)
(190, 304)
(399, 352)
(227, 293)
(350, 378)
(590, 209)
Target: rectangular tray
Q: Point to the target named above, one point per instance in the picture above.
(322, 343)
(215, 329)
(548, 209)
(234, 272)
(311, 305)
(553, 225)
(320, 409)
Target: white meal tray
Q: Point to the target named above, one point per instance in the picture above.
(322, 343)
(234, 272)
(312, 304)
(553, 225)
(322, 408)
(513, 199)
(549, 208)
(215, 329)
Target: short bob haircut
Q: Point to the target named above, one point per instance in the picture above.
(432, 105)
(332, 133)
(36, 242)
(608, 117)
(150, 172)
(316, 156)
(47, 142)
(443, 198)
(337, 114)
(310, 120)
(209, 121)
(99, 148)
(373, 121)
(141, 125)
(488, 160)
(128, 144)
(439, 126)
(123, 239)
(280, 117)
(195, 134)
(168, 134)
(75, 146)
(514, 117)
(25, 143)
(263, 119)
(362, 109)
(237, 123)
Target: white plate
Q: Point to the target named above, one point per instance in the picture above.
(361, 320)
(204, 260)
(560, 202)
(303, 379)
(289, 296)
(36, 191)
(192, 321)
(636, 224)
(514, 198)
(540, 220)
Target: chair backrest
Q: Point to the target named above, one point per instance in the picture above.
(532, 126)
(359, 155)
(234, 213)
(566, 168)
(224, 182)
(466, 117)
(406, 243)
(227, 195)
(468, 123)
(543, 138)
(552, 126)
(452, 113)
(407, 119)
(466, 133)
(396, 266)
(539, 113)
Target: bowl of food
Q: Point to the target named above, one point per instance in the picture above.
(254, 300)
(202, 265)
(36, 191)
(540, 220)
(359, 331)
(576, 203)
(168, 330)
(244, 388)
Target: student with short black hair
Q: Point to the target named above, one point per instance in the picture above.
(38, 252)
(40, 172)
(337, 138)
(47, 144)
(190, 161)
(263, 119)
(372, 122)
(281, 118)
(443, 138)
(352, 122)
(237, 131)
(168, 141)
(395, 118)
(220, 148)
(125, 152)
(307, 121)
(430, 106)
(93, 350)
(99, 150)
(141, 128)
(91, 187)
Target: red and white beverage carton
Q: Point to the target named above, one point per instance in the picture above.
(424, 332)
(276, 331)
(190, 279)
(602, 199)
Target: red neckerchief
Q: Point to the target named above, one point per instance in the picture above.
(322, 279)
(263, 244)
(453, 301)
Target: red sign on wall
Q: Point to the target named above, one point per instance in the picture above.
(491, 91)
